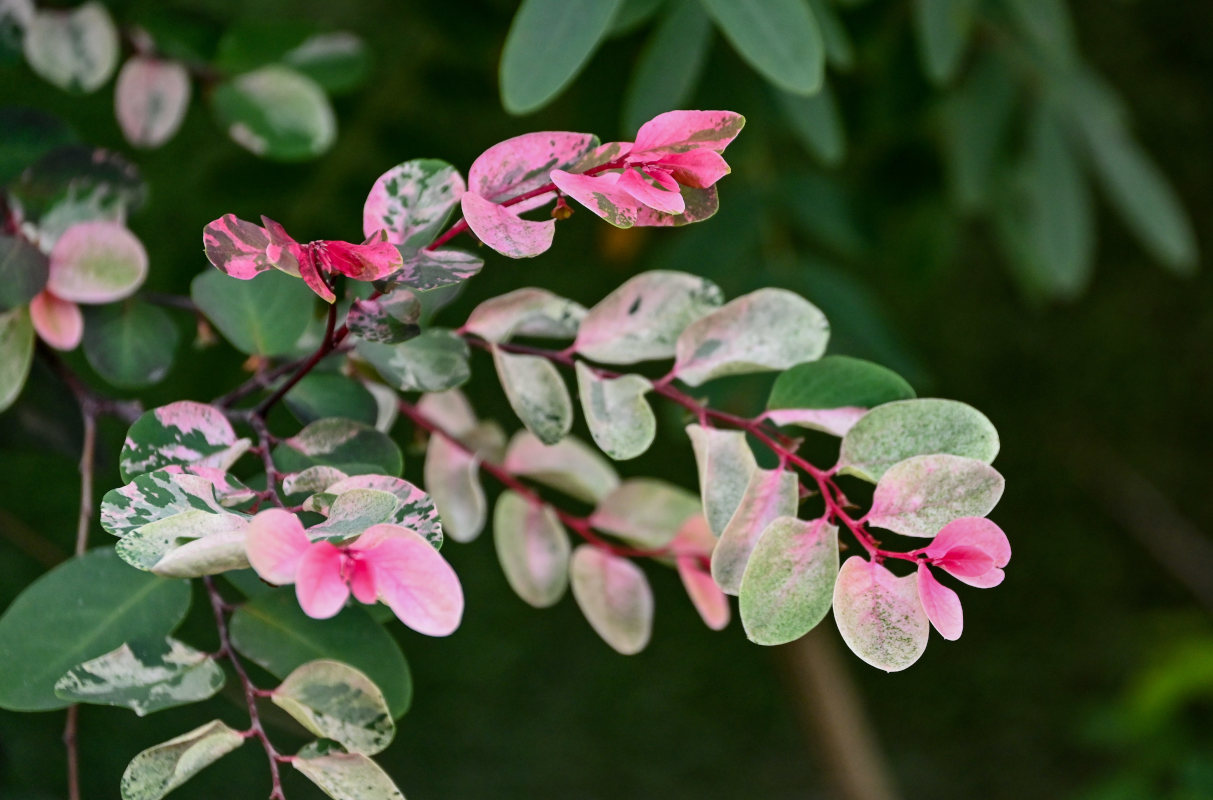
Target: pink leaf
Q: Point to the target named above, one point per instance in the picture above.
(651, 190)
(275, 543)
(941, 604)
(319, 584)
(697, 168)
(976, 532)
(679, 131)
(966, 562)
(709, 601)
(363, 262)
(700, 204)
(508, 234)
(96, 262)
(362, 581)
(312, 277)
(413, 579)
(150, 100)
(59, 323)
(238, 248)
(523, 163)
(835, 421)
(602, 195)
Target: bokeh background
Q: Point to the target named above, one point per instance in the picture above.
(1088, 674)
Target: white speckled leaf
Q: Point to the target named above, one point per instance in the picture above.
(879, 615)
(158, 770)
(894, 432)
(335, 701)
(435, 361)
(725, 463)
(641, 320)
(185, 433)
(144, 676)
(406, 505)
(769, 329)
(569, 465)
(920, 495)
(645, 511)
(615, 597)
(525, 312)
(348, 776)
(537, 394)
(533, 549)
(620, 420)
(75, 50)
(788, 584)
(770, 493)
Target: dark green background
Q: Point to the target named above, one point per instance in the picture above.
(1062, 683)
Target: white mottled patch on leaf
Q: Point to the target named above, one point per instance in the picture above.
(770, 493)
(435, 361)
(336, 701)
(620, 419)
(311, 480)
(533, 549)
(525, 312)
(144, 677)
(75, 50)
(615, 597)
(182, 433)
(920, 495)
(879, 615)
(159, 769)
(348, 776)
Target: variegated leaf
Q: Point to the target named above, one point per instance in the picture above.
(771, 493)
(788, 583)
(525, 312)
(615, 597)
(335, 701)
(158, 770)
(348, 776)
(533, 549)
(570, 466)
(350, 446)
(412, 201)
(879, 615)
(620, 419)
(184, 433)
(725, 463)
(435, 361)
(144, 676)
(920, 495)
(646, 511)
(537, 394)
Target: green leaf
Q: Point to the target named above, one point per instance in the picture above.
(76, 50)
(830, 395)
(976, 122)
(615, 597)
(896, 431)
(452, 476)
(817, 122)
(352, 447)
(920, 495)
(646, 511)
(81, 609)
(251, 43)
(16, 353)
(537, 394)
(725, 463)
(273, 631)
(778, 38)
(337, 61)
(329, 394)
(620, 419)
(23, 271)
(180, 433)
(548, 44)
(412, 202)
(768, 329)
(879, 615)
(277, 113)
(788, 584)
(348, 776)
(28, 135)
(336, 701)
(390, 319)
(130, 344)
(263, 316)
(158, 770)
(533, 549)
(839, 51)
(943, 28)
(435, 361)
(632, 14)
(75, 183)
(569, 466)
(770, 493)
(641, 320)
(144, 675)
(669, 67)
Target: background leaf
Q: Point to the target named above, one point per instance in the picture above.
(263, 316)
(131, 344)
(277, 113)
(779, 38)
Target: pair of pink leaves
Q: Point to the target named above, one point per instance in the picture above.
(387, 562)
(972, 550)
(636, 183)
(244, 250)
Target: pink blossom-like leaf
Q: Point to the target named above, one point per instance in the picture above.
(523, 163)
(59, 323)
(679, 131)
(694, 543)
(941, 604)
(150, 100)
(501, 229)
(312, 277)
(239, 248)
(362, 581)
(602, 195)
(953, 545)
(96, 262)
(967, 562)
(654, 189)
(319, 584)
(697, 168)
(363, 262)
(413, 579)
(275, 543)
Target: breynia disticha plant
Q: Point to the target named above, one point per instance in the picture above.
(308, 533)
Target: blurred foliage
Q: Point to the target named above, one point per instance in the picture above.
(888, 202)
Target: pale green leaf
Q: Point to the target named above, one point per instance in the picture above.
(570, 466)
(620, 419)
(158, 770)
(788, 584)
(348, 776)
(452, 477)
(537, 394)
(778, 38)
(817, 122)
(645, 511)
(942, 27)
(725, 464)
(75, 50)
(615, 597)
(16, 353)
(435, 361)
(276, 112)
(525, 312)
(336, 701)
(879, 615)
(831, 395)
(770, 493)
(533, 549)
(920, 495)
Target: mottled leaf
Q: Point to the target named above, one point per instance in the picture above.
(150, 100)
(537, 394)
(410, 507)
(156, 496)
(788, 584)
(183, 433)
(76, 50)
(16, 353)
(412, 201)
(502, 229)
(879, 615)
(770, 493)
(158, 770)
(641, 320)
(532, 547)
(524, 163)
(725, 464)
(389, 319)
(896, 431)
(336, 701)
(646, 511)
(264, 316)
(435, 361)
(96, 262)
(920, 495)
(769, 329)
(452, 476)
(569, 466)
(615, 597)
(351, 447)
(431, 269)
(778, 38)
(276, 112)
(144, 675)
(620, 419)
(525, 312)
(348, 776)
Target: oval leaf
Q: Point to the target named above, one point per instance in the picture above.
(879, 615)
(184, 432)
(348, 776)
(920, 495)
(16, 353)
(569, 466)
(646, 511)
(352, 447)
(533, 549)
(526, 312)
(76, 50)
(537, 394)
(788, 584)
(412, 201)
(158, 770)
(502, 229)
(263, 316)
(620, 419)
(96, 262)
(779, 38)
(615, 597)
(770, 493)
(725, 464)
(943, 29)
(335, 701)
(130, 345)
(435, 361)
(669, 67)
(150, 100)
(23, 271)
(452, 476)
(831, 395)
(277, 113)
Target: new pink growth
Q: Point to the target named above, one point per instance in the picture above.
(244, 250)
(387, 562)
(694, 544)
(971, 549)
